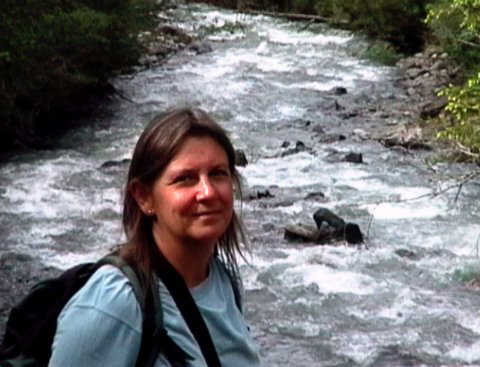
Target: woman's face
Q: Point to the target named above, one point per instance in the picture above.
(193, 197)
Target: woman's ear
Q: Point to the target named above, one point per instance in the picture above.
(142, 195)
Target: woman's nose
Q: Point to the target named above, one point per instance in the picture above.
(206, 189)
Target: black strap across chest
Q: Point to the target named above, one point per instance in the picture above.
(188, 308)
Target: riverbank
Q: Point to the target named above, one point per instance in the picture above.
(409, 120)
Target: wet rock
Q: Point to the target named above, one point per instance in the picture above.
(264, 194)
(200, 47)
(240, 158)
(424, 74)
(406, 254)
(115, 164)
(394, 356)
(433, 108)
(300, 123)
(268, 227)
(319, 130)
(337, 106)
(331, 138)
(317, 196)
(406, 136)
(176, 32)
(282, 203)
(354, 157)
(324, 215)
(331, 227)
(299, 147)
(348, 114)
(362, 134)
(147, 60)
(338, 91)
(301, 233)
(161, 42)
(352, 233)
(259, 193)
(335, 156)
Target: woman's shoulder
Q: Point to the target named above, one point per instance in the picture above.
(108, 291)
(101, 325)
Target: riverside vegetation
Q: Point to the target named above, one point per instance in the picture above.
(56, 56)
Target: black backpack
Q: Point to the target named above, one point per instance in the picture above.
(32, 323)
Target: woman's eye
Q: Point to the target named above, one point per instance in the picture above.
(183, 178)
(220, 173)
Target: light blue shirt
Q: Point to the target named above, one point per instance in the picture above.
(101, 325)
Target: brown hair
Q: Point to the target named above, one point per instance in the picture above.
(156, 147)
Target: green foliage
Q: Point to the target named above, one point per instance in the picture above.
(382, 53)
(456, 25)
(467, 275)
(464, 102)
(464, 106)
(399, 22)
(53, 52)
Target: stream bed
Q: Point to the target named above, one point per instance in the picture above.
(284, 91)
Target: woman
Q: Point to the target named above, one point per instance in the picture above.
(178, 206)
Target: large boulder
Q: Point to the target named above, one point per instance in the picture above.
(329, 228)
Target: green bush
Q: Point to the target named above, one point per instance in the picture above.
(456, 26)
(55, 53)
(467, 275)
(382, 53)
(464, 106)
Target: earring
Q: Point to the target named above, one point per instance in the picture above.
(150, 211)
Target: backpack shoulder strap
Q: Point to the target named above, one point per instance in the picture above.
(127, 270)
(188, 308)
(154, 335)
(152, 312)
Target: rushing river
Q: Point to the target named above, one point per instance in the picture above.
(394, 301)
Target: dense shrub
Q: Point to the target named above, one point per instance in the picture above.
(456, 26)
(464, 107)
(54, 53)
(382, 53)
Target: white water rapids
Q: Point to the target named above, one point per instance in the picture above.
(394, 302)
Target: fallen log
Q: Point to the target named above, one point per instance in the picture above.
(299, 17)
